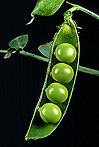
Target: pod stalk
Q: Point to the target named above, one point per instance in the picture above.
(77, 7)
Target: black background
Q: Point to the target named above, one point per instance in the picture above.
(21, 78)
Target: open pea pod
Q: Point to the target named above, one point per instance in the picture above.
(39, 129)
(46, 7)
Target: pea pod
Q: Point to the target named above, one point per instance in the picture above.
(46, 7)
(38, 128)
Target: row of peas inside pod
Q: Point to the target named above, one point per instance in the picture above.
(56, 92)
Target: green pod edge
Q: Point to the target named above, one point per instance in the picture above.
(38, 129)
(46, 7)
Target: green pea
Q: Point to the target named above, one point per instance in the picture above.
(66, 52)
(46, 7)
(56, 92)
(50, 113)
(62, 73)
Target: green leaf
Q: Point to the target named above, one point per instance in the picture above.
(45, 49)
(19, 42)
(10, 51)
(46, 7)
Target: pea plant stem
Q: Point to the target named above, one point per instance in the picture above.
(77, 7)
(33, 56)
(80, 68)
(24, 53)
(88, 70)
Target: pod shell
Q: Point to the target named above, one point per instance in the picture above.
(46, 7)
(37, 128)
